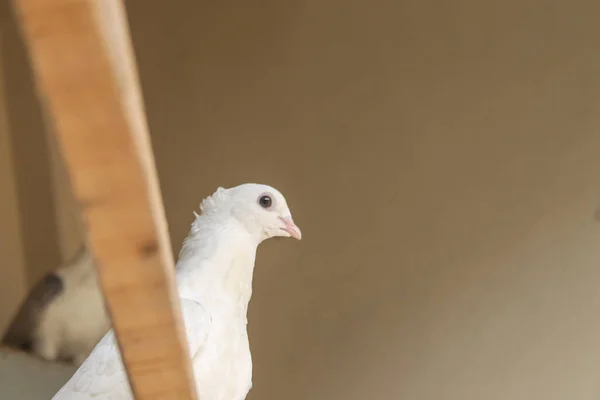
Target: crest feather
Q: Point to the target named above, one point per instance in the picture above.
(211, 203)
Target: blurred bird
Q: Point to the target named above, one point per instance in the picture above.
(214, 280)
(64, 315)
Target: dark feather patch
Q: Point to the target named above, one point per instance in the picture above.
(20, 331)
(47, 290)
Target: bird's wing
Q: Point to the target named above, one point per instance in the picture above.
(102, 375)
(197, 322)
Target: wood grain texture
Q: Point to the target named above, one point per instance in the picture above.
(85, 69)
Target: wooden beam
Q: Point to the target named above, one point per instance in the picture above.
(85, 69)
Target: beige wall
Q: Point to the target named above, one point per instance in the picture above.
(442, 161)
(12, 274)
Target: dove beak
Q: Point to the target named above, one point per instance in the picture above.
(290, 227)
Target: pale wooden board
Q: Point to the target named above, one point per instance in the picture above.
(82, 58)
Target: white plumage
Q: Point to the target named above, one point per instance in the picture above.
(74, 323)
(214, 280)
(64, 315)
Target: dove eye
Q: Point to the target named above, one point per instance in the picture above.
(265, 201)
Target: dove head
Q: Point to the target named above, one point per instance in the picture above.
(260, 209)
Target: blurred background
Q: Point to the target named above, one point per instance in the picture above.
(441, 157)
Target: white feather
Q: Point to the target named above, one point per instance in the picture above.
(214, 280)
(77, 319)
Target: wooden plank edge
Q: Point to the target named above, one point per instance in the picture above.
(110, 163)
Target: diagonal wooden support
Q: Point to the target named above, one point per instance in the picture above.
(85, 69)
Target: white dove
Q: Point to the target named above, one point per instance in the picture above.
(214, 280)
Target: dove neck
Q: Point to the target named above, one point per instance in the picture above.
(216, 265)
